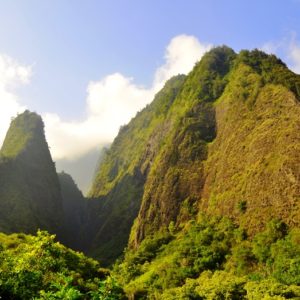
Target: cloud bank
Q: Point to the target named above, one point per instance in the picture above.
(12, 75)
(289, 48)
(111, 101)
(114, 100)
(294, 56)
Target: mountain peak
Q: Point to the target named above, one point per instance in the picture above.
(24, 129)
(30, 196)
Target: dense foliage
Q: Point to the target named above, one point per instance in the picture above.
(214, 259)
(37, 267)
(26, 128)
(211, 258)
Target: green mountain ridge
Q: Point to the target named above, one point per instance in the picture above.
(118, 186)
(246, 162)
(199, 153)
(198, 195)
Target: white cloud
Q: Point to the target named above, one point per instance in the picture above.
(181, 55)
(288, 48)
(111, 102)
(115, 99)
(294, 55)
(271, 47)
(12, 74)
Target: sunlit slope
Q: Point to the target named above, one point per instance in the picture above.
(226, 143)
(119, 182)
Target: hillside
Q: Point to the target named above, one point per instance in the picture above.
(225, 143)
(247, 168)
(30, 196)
(252, 172)
(197, 197)
(220, 214)
(118, 186)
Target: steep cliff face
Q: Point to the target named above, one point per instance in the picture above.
(238, 156)
(253, 168)
(119, 183)
(226, 143)
(176, 178)
(30, 195)
(244, 180)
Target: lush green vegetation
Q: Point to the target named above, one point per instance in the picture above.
(37, 267)
(211, 258)
(22, 130)
(223, 141)
(214, 259)
(119, 182)
(131, 143)
(271, 69)
(220, 133)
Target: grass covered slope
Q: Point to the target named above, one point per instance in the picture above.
(233, 151)
(252, 171)
(136, 139)
(176, 176)
(25, 129)
(30, 195)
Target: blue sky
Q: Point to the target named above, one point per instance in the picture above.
(73, 42)
(75, 54)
